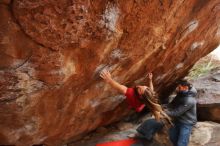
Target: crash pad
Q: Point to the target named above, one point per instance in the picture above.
(126, 142)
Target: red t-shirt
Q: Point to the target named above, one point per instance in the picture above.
(133, 100)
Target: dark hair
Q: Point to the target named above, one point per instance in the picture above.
(136, 91)
(184, 82)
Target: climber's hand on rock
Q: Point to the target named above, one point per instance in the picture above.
(106, 75)
(150, 76)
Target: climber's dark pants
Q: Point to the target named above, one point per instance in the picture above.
(149, 128)
(180, 133)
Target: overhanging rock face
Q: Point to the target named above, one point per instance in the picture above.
(52, 51)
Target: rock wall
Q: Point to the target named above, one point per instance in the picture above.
(208, 97)
(52, 51)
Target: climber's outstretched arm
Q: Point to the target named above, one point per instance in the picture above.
(150, 82)
(108, 79)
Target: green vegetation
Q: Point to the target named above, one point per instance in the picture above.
(203, 67)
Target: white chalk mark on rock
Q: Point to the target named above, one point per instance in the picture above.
(117, 54)
(110, 16)
(180, 65)
(192, 26)
(196, 45)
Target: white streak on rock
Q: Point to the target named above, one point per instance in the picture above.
(180, 65)
(100, 85)
(117, 54)
(192, 26)
(27, 83)
(138, 81)
(101, 67)
(196, 45)
(107, 103)
(161, 77)
(218, 32)
(94, 103)
(68, 69)
(112, 102)
(105, 67)
(110, 16)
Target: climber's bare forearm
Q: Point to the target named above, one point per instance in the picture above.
(105, 74)
(151, 85)
(150, 81)
(121, 88)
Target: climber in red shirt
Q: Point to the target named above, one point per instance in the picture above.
(132, 94)
(150, 127)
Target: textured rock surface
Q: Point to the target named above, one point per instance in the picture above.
(209, 96)
(203, 134)
(51, 52)
(120, 131)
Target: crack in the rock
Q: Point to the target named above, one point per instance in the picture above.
(161, 2)
(17, 66)
(28, 58)
(30, 54)
(181, 34)
(7, 99)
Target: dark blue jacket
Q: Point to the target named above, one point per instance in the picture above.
(183, 107)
